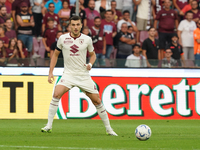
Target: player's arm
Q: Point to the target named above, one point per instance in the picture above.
(53, 64)
(92, 60)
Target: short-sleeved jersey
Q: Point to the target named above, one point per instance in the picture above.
(74, 53)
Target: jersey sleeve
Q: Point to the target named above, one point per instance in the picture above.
(90, 47)
(180, 26)
(59, 44)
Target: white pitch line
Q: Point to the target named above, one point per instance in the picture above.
(79, 148)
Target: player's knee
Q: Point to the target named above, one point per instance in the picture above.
(57, 95)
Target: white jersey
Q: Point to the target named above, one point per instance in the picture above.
(74, 53)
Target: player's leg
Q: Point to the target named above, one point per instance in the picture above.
(101, 112)
(58, 92)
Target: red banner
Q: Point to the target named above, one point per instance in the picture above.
(138, 98)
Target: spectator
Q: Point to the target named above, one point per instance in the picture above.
(99, 42)
(26, 24)
(110, 32)
(117, 15)
(131, 31)
(2, 53)
(8, 4)
(124, 46)
(53, 45)
(9, 32)
(126, 19)
(187, 7)
(197, 44)
(82, 14)
(67, 29)
(64, 15)
(3, 16)
(51, 14)
(85, 30)
(143, 14)
(168, 19)
(168, 61)
(91, 13)
(22, 53)
(185, 34)
(136, 59)
(177, 52)
(11, 50)
(37, 6)
(82, 4)
(3, 37)
(179, 4)
(57, 6)
(102, 6)
(195, 10)
(150, 48)
(128, 5)
(16, 9)
(48, 38)
(8, 9)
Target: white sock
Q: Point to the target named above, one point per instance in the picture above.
(52, 111)
(103, 115)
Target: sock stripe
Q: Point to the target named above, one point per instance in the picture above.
(53, 104)
(55, 101)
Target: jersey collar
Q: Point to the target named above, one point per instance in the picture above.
(74, 37)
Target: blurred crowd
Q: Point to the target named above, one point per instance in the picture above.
(125, 33)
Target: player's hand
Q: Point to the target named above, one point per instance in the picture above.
(50, 78)
(88, 66)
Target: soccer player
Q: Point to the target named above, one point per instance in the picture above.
(74, 46)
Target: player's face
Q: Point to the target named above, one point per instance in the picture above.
(76, 26)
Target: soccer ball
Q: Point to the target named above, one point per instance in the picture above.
(143, 132)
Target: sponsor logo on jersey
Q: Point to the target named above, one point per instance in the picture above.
(74, 50)
(81, 41)
(68, 41)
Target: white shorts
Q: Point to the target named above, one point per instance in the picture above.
(85, 83)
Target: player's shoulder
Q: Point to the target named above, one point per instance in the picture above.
(64, 36)
(85, 37)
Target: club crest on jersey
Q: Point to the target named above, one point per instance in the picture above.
(81, 41)
(68, 41)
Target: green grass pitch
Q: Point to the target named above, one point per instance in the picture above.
(85, 134)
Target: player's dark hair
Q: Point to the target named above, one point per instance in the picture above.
(150, 28)
(188, 12)
(50, 19)
(51, 3)
(126, 11)
(75, 18)
(136, 45)
(97, 17)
